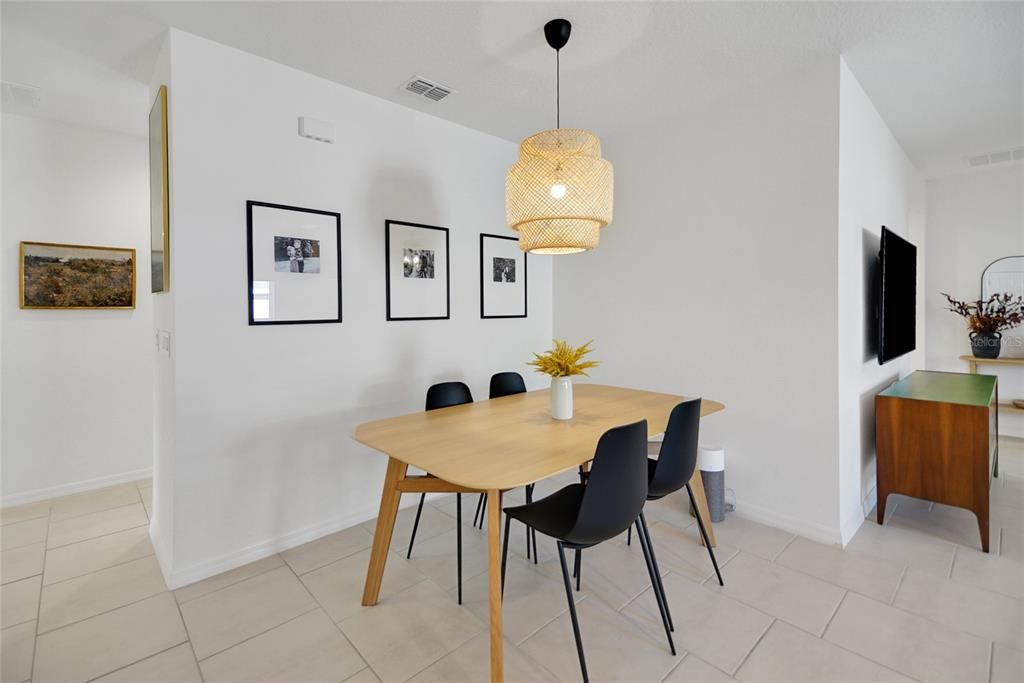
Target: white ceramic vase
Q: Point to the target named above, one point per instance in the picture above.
(561, 398)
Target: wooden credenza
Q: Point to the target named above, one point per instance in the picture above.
(936, 439)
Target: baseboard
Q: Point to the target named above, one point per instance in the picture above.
(75, 487)
(854, 521)
(793, 525)
(177, 578)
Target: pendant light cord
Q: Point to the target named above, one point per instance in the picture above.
(558, 90)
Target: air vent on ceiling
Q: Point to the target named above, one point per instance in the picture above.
(16, 94)
(424, 87)
(1001, 157)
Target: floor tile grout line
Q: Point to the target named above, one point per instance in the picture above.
(821, 636)
(101, 569)
(327, 614)
(80, 515)
(873, 661)
(39, 605)
(24, 521)
(784, 548)
(547, 623)
(913, 614)
(255, 635)
(229, 585)
(92, 538)
(24, 545)
(751, 650)
(106, 611)
(188, 636)
(899, 584)
(683, 658)
(125, 666)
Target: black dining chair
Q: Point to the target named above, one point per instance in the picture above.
(672, 471)
(444, 395)
(507, 384)
(580, 516)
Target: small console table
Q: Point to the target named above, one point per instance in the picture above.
(936, 434)
(973, 364)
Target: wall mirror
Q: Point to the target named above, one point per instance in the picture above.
(1003, 275)
(1006, 275)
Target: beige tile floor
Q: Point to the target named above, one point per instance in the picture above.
(83, 599)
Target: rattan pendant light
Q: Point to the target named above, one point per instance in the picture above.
(558, 195)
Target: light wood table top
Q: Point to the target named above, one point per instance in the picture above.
(513, 441)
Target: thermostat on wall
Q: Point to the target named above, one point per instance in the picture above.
(314, 129)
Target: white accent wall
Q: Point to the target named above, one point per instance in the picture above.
(717, 278)
(76, 384)
(878, 185)
(261, 452)
(973, 219)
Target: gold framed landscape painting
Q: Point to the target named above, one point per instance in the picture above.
(72, 276)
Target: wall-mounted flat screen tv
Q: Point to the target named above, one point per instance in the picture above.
(897, 307)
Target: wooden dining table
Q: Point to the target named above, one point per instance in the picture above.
(497, 445)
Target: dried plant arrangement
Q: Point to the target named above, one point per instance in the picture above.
(1000, 312)
(564, 360)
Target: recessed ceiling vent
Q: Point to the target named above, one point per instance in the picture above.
(1016, 154)
(424, 87)
(18, 95)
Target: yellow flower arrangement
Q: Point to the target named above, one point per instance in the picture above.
(563, 360)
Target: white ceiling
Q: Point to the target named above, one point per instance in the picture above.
(947, 77)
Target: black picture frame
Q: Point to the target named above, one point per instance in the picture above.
(249, 205)
(483, 275)
(387, 270)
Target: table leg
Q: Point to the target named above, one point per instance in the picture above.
(697, 486)
(389, 499)
(494, 578)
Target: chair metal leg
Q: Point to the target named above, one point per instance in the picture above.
(415, 525)
(458, 540)
(578, 569)
(657, 569)
(504, 552)
(658, 596)
(483, 511)
(572, 612)
(629, 536)
(479, 509)
(531, 533)
(704, 535)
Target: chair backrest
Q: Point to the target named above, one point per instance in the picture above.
(677, 458)
(506, 384)
(617, 486)
(448, 394)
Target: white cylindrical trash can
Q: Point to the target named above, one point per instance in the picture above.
(711, 462)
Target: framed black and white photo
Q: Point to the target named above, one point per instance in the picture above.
(502, 277)
(294, 265)
(416, 271)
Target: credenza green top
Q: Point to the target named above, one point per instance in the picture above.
(945, 387)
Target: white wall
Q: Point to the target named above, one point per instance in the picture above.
(878, 185)
(76, 384)
(161, 526)
(717, 278)
(263, 456)
(973, 219)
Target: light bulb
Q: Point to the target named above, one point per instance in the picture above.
(558, 191)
